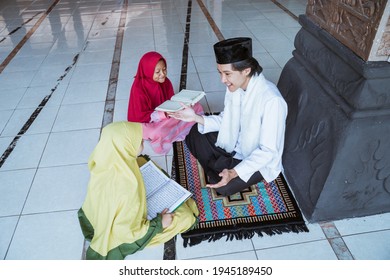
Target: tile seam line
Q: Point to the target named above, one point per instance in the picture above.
(19, 27)
(8, 59)
(211, 21)
(285, 9)
(184, 62)
(34, 115)
(109, 106)
(329, 239)
(218, 32)
(170, 245)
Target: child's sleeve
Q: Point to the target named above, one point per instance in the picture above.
(157, 116)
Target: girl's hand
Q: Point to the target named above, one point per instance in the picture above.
(166, 218)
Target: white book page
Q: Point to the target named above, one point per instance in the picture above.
(188, 96)
(169, 196)
(169, 106)
(153, 177)
(161, 191)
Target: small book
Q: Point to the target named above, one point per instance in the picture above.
(161, 191)
(188, 97)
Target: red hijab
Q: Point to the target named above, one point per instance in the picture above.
(145, 93)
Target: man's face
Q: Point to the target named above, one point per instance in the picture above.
(233, 79)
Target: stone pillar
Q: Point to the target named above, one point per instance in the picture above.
(337, 86)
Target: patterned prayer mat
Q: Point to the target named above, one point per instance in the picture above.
(262, 208)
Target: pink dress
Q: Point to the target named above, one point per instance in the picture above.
(164, 131)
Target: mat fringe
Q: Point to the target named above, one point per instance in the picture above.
(242, 234)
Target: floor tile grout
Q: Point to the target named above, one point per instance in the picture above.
(336, 241)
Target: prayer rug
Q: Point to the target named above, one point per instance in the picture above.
(264, 208)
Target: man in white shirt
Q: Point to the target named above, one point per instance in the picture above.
(243, 144)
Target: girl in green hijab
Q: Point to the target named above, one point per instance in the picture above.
(113, 216)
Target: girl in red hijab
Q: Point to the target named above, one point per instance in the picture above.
(152, 87)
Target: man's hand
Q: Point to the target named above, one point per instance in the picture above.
(187, 114)
(227, 175)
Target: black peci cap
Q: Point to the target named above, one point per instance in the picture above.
(233, 50)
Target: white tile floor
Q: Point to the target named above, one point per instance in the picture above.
(43, 181)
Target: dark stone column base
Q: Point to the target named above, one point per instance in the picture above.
(337, 147)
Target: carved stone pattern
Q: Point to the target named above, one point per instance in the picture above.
(384, 46)
(321, 61)
(372, 174)
(321, 155)
(352, 22)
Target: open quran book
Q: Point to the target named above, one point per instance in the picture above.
(161, 191)
(188, 97)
